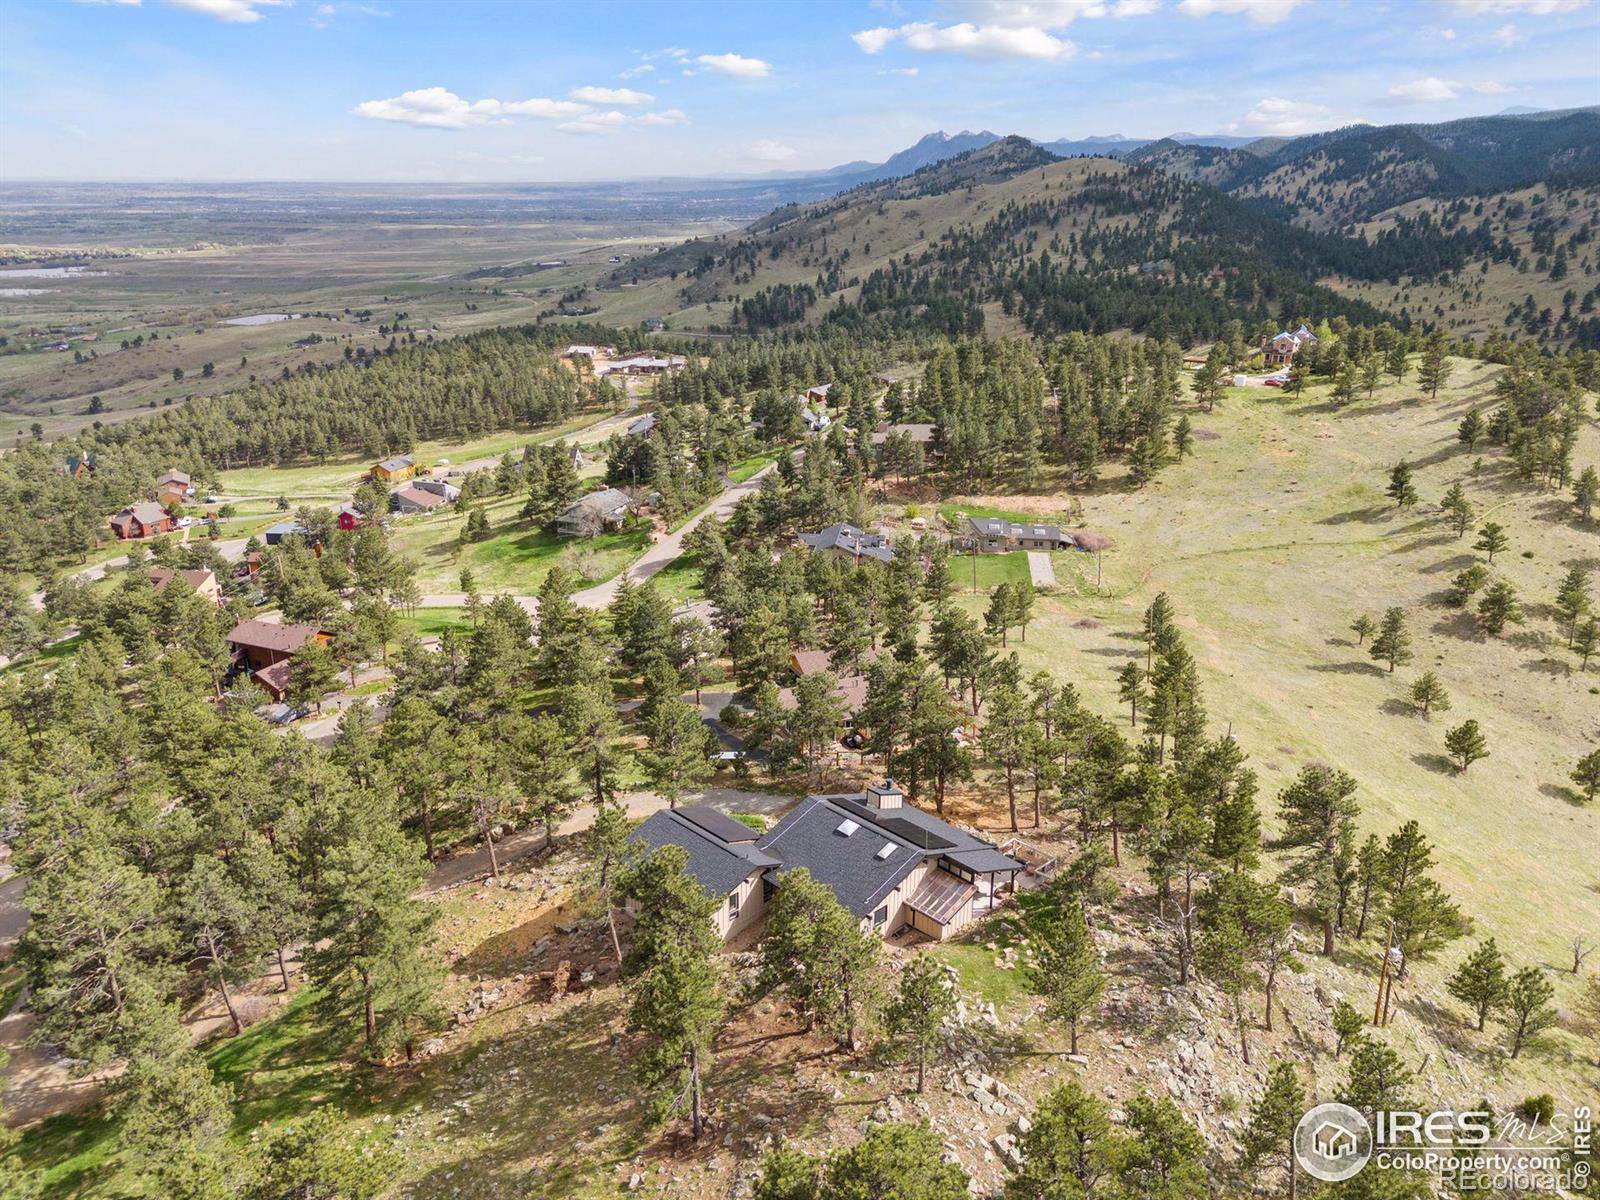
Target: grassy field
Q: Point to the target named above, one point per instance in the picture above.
(516, 557)
(174, 283)
(1271, 540)
(336, 480)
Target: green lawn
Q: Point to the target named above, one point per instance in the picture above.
(431, 622)
(993, 570)
(516, 557)
(337, 479)
(743, 471)
(679, 580)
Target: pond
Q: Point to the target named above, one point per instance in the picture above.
(49, 273)
(260, 319)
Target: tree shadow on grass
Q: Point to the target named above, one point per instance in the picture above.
(1558, 791)
(1458, 623)
(1455, 562)
(1439, 764)
(1349, 668)
(1394, 707)
(1367, 516)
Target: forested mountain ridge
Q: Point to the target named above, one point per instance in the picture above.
(1331, 180)
(1011, 233)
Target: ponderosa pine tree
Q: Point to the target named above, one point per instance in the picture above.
(1164, 1159)
(1393, 641)
(1481, 982)
(1402, 490)
(1434, 370)
(1587, 775)
(1363, 627)
(1066, 966)
(1466, 744)
(817, 952)
(1428, 695)
(1071, 1150)
(1269, 1132)
(1470, 432)
(1492, 539)
(1458, 509)
(1573, 599)
(1131, 689)
(1318, 811)
(915, 1017)
(1528, 1012)
(1498, 607)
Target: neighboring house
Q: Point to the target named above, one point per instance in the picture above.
(643, 364)
(178, 481)
(141, 520)
(349, 516)
(815, 421)
(580, 352)
(75, 466)
(809, 662)
(916, 431)
(891, 865)
(394, 470)
(264, 648)
(413, 499)
(849, 690)
(653, 324)
(723, 857)
(1279, 350)
(996, 535)
(643, 427)
(819, 393)
(849, 542)
(594, 513)
(275, 534)
(439, 488)
(202, 583)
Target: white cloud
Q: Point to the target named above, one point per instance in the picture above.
(1506, 35)
(974, 41)
(1534, 8)
(635, 72)
(1428, 90)
(1045, 14)
(595, 123)
(735, 64)
(1286, 118)
(440, 108)
(771, 151)
(239, 11)
(1257, 12)
(667, 116)
(1448, 35)
(909, 72)
(1492, 88)
(605, 95)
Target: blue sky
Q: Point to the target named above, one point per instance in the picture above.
(420, 90)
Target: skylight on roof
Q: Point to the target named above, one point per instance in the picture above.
(888, 849)
(847, 828)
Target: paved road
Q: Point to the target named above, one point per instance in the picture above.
(668, 549)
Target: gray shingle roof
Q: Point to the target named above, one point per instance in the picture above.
(850, 540)
(720, 866)
(810, 837)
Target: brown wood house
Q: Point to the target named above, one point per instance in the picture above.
(142, 520)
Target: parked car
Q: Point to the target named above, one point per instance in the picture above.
(213, 499)
(185, 522)
(1272, 382)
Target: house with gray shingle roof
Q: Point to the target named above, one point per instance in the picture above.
(890, 864)
(849, 542)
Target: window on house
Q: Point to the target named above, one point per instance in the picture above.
(881, 917)
(733, 907)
